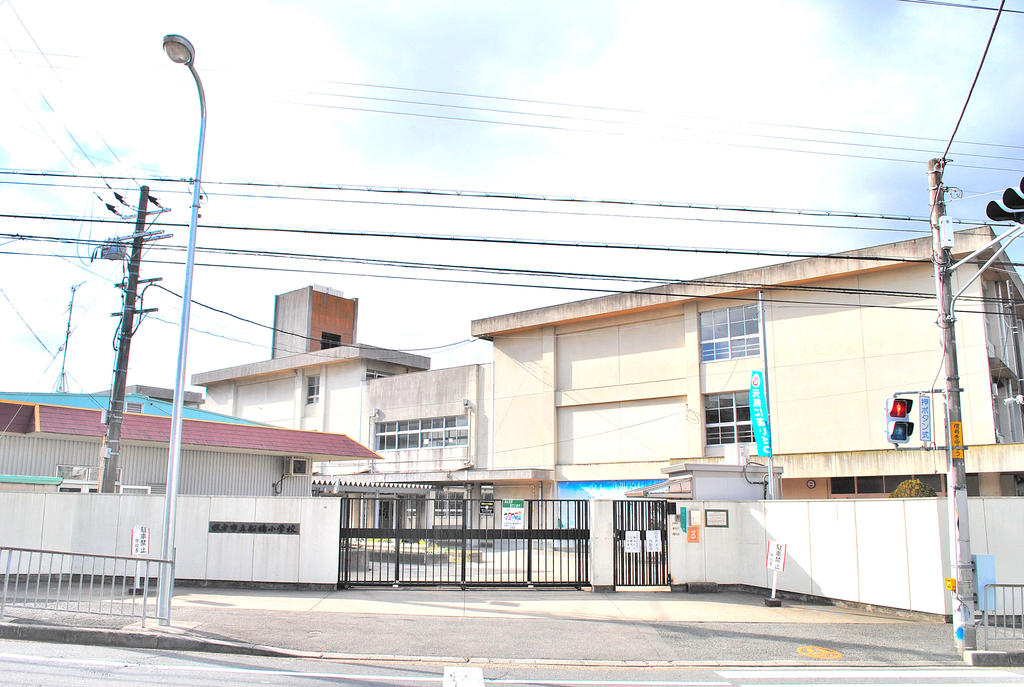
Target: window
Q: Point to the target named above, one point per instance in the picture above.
(378, 374)
(727, 418)
(435, 432)
(312, 389)
(329, 340)
(729, 333)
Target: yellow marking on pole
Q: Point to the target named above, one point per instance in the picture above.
(819, 652)
(956, 438)
(951, 584)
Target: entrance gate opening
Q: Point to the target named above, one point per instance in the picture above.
(641, 543)
(419, 540)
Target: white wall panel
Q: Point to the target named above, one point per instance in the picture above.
(924, 556)
(318, 543)
(276, 556)
(833, 532)
(882, 553)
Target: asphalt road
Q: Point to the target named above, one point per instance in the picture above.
(28, 664)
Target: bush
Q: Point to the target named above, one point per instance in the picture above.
(911, 489)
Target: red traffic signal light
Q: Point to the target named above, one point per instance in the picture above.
(898, 428)
(900, 407)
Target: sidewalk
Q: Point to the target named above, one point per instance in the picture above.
(621, 628)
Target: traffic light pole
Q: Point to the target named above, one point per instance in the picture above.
(964, 632)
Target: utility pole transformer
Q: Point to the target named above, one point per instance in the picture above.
(110, 452)
(962, 569)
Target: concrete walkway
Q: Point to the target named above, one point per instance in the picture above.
(581, 627)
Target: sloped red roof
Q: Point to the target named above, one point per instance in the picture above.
(26, 418)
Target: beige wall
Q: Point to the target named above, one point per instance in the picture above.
(524, 404)
(602, 397)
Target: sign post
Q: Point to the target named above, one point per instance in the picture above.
(776, 562)
(140, 547)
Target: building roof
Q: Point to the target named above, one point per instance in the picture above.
(885, 256)
(30, 418)
(327, 356)
(101, 401)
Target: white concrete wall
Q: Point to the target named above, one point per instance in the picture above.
(102, 524)
(886, 552)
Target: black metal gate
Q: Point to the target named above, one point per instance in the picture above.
(419, 540)
(641, 543)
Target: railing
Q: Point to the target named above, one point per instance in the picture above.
(1002, 615)
(79, 582)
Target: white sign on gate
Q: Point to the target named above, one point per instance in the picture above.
(652, 543)
(631, 544)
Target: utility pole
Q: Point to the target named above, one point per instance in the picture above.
(110, 452)
(962, 570)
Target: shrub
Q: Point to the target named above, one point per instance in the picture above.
(911, 489)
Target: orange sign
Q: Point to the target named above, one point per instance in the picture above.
(956, 437)
(693, 534)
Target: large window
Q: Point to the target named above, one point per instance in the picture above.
(434, 432)
(729, 333)
(727, 418)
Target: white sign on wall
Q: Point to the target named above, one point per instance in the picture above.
(140, 540)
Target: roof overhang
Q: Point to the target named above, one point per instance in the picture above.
(874, 258)
(327, 356)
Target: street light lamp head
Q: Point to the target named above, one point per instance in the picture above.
(179, 49)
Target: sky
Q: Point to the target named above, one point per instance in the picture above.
(328, 121)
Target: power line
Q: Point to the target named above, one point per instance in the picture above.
(974, 83)
(440, 206)
(659, 291)
(939, 3)
(504, 195)
(617, 122)
(454, 238)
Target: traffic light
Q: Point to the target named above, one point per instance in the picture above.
(898, 427)
(1013, 200)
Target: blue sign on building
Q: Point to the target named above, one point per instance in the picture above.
(759, 414)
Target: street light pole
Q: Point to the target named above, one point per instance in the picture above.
(180, 51)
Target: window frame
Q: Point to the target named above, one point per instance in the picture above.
(448, 431)
(739, 424)
(312, 389)
(725, 333)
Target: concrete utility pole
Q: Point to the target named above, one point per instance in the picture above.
(965, 634)
(110, 452)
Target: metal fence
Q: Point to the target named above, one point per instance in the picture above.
(79, 582)
(417, 540)
(1002, 615)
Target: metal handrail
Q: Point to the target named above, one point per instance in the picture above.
(79, 582)
(1002, 615)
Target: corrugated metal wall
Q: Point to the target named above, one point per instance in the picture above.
(206, 473)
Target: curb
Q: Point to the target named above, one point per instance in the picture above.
(130, 639)
(992, 659)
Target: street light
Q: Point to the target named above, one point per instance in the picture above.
(180, 51)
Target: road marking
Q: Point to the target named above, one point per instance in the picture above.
(864, 673)
(205, 668)
(908, 681)
(819, 652)
(460, 676)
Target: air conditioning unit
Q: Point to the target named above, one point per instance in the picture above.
(297, 467)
